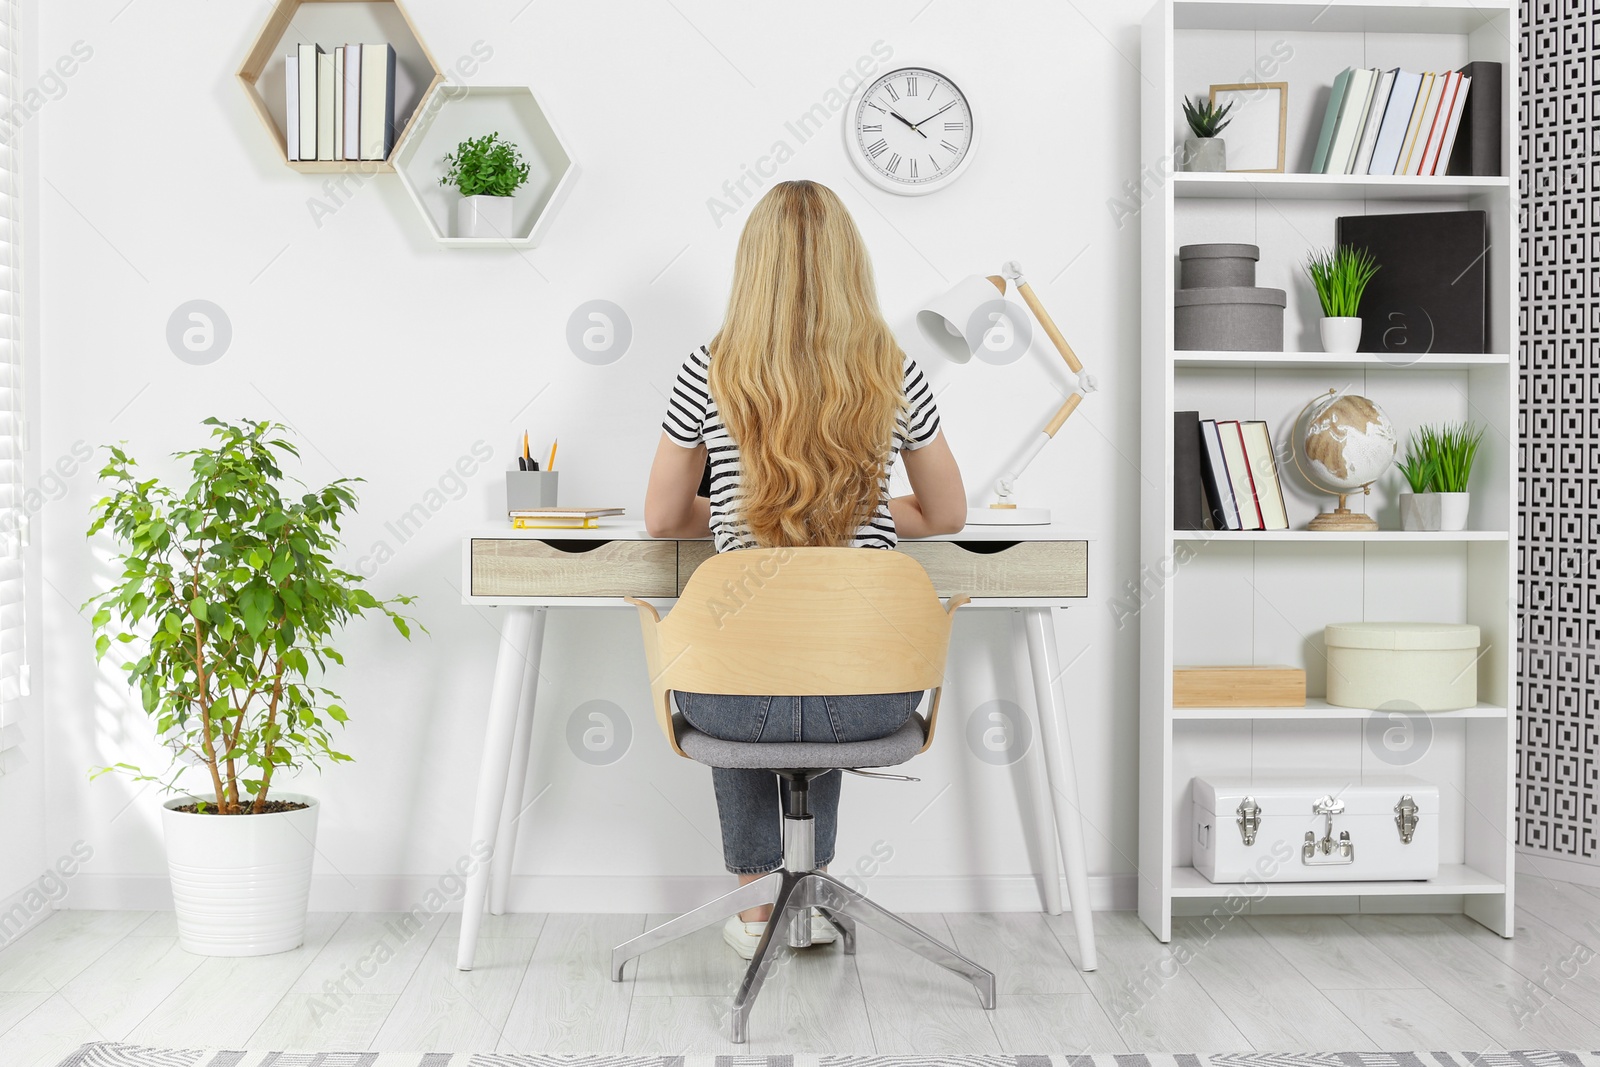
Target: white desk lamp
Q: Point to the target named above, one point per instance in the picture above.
(958, 323)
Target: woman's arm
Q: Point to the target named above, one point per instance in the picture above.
(671, 508)
(938, 500)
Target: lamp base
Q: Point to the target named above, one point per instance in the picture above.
(1008, 516)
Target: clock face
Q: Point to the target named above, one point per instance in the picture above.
(910, 131)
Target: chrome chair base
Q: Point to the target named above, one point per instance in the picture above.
(792, 894)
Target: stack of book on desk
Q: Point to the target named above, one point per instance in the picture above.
(1400, 122)
(340, 104)
(560, 518)
(1225, 471)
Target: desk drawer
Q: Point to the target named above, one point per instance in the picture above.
(977, 568)
(559, 566)
(1004, 569)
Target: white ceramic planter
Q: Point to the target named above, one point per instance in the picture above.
(1419, 511)
(240, 882)
(484, 216)
(1342, 334)
(1205, 154)
(1453, 509)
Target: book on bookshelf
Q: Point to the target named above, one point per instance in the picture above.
(1431, 290)
(325, 83)
(1188, 490)
(338, 102)
(1214, 475)
(1373, 123)
(308, 100)
(1441, 164)
(352, 101)
(291, 106)
(1396, 118)
(1239, 477)
(377, 101)
(1264, 470)
(1479, 143)
(1330, 121)
(1416, 136)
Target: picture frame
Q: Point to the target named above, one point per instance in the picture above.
(1257, 127)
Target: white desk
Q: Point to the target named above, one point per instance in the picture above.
(1028, 570)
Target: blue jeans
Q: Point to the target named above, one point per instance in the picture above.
(750, 803)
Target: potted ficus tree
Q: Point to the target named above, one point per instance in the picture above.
(227, 603)
(1205, 151)
(1340, 276)
(487, 171)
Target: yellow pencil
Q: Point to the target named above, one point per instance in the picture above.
(552, 464)
(525, 453)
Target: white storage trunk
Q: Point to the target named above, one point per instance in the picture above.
(1302, 829)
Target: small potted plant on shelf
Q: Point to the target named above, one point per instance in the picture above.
(1340, 276)
(488, 171)
(227, 604)
(1419, 508)
(1205, 151)
(1437, 467)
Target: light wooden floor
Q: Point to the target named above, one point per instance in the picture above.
(1281, 983)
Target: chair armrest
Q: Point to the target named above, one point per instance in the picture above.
(957, 600)
(660, 694)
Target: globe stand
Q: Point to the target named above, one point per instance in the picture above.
(1343, 520)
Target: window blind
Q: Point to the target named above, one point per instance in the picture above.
(13, 510)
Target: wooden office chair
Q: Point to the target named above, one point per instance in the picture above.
(800, 622)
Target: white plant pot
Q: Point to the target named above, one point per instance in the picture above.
(240, 882)
(1341, 334)
(484, 216)
(1453, 508)
(1205, 154)
(1419, 511)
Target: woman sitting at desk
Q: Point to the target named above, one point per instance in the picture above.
(803, 402)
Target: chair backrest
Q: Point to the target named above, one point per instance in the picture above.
(799, 622)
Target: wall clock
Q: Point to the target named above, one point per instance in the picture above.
(910, 131)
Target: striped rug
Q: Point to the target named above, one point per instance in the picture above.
(110, 1054)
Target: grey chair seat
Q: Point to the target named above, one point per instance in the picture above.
(889, 751)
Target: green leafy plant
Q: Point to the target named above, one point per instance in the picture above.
(1341, 276)
(1204, 117)
(1418, 466)
(1439, 458)
(229, 601)
(485, 166)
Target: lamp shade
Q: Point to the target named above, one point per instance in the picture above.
(954, 322)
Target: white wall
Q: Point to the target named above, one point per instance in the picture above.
(392, 357)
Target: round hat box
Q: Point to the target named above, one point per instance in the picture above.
(1210, 265)
(1233, 318)
(1409, 666)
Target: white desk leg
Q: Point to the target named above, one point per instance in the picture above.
(1044, 823)
(1058, 759)
(504, 701)
(505, 845)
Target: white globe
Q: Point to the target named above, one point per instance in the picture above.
(1349, 443)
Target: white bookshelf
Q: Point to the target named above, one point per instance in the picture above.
(1264, 597)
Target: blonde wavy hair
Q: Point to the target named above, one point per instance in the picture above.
(806, 375)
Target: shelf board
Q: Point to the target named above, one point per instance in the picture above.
(1248, 186)
(1379, 361)
(1319, 709)
(1452, 878)
(1370, 16)
(1326, 536)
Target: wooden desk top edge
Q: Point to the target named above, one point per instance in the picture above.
(634, 531)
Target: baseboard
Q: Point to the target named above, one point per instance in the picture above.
(1559, 868)
(604, 893)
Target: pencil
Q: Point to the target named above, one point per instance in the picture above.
(525, 453)
(552, 464)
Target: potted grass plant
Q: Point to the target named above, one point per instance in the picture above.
(225, 610)
(1438, 467)
(487, 171)
(1340, 276)
(1419, 504)
(1205, 151)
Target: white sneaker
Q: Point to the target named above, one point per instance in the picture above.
(743, 937)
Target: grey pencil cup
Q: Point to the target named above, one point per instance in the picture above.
(531, 490)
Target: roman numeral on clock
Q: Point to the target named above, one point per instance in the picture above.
(935, 163)
(876, 127)
(955, 125)
(948, 147)
(911, 87)
(913, 164)
(893, 96)
(894, 162)
(876, 148)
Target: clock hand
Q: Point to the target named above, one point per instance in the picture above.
(935, 115)
(909, 126)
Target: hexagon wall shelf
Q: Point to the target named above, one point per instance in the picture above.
(454, 113)
(328, 23)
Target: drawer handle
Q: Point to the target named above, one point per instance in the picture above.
(573, 545)
(985, 548)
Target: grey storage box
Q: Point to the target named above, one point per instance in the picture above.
(1229, 319)
(1212, 265)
